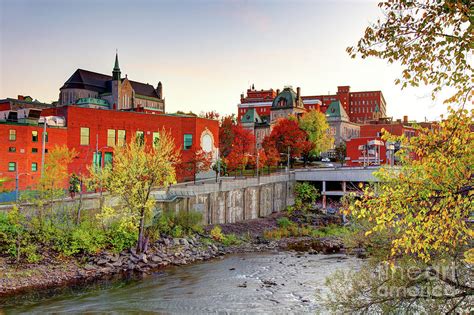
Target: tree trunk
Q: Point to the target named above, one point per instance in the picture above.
(140, 232)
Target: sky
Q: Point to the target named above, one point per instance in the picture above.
(205, 53)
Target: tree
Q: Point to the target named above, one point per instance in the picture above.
(210, 115)
(243, 146)
(415, 221)
(137, 169)
(285, 135)
(226, 134)
(272, 157)
(199, 161)
(341, 152)
(433, 41)
(314, 123)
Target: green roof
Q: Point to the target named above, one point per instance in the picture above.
(91, 100)
(289, 95)
(335, 111)
(250, 116)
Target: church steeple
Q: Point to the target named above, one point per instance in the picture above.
(116, 71)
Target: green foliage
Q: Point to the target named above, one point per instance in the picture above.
(230, 239)
(314, 123)
(179, 224)
(305, 193)
(331, 230)
(284, 222)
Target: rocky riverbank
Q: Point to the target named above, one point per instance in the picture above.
(54, 272)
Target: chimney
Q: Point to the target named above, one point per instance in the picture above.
(21, 98)
(399, 121)
(405, 119)
(298, 92)
(241, 97)
(278, 91)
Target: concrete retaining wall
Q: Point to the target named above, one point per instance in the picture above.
(237, 204)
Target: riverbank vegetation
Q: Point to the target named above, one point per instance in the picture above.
(417, 222)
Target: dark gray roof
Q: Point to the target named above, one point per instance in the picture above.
(101, 83)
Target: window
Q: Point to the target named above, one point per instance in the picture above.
(110, 137)
(140, 137)
(156, 138)
(34, 136)
(97, 159)
(121, 138)
(11, 149)
(46, 137)
(188, 141)
(34, 150)
(34, 167)
(108, 157)
(11, 166)
(12, 135)
(84, 136)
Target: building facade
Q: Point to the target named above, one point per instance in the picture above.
(91, 89)
(360, 106)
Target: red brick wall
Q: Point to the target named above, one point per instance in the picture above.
(99, 121)
(24, 157)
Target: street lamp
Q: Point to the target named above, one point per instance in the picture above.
(17, 179)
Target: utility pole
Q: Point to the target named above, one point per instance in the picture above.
(288, 163)
(43, 149)
(258, 177)
(218, 166)
(16, 184)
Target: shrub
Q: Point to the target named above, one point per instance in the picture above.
(170, 223)
(230, 239)
(306, 193)
(284, 222)
(216, 233)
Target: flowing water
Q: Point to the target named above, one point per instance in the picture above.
(284, 282)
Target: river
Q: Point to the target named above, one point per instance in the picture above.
(279, 282)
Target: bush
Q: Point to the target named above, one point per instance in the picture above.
(216, 233)
(284, 222)
(305, 193)
(176, 225)
(230, 239)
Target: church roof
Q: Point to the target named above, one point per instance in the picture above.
(335, 111)
(98, 82)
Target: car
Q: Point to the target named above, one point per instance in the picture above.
(325, 160)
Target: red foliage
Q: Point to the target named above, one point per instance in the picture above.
(243, 146)
(199, 161)
(286, 133)
(226, 135)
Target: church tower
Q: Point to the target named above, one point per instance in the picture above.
(116, 84)
(159, 90)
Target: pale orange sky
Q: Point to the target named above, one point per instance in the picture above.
(206, 53)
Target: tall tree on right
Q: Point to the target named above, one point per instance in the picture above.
(316, 126)
(416, 222)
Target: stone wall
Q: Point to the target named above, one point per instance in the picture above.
(237, 204)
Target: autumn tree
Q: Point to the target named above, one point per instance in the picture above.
(243, 146)
(286, 135)
(415, 222)
(432, 40)
(210, 115)
(137, 169)
(198, 161)
(314, 123)
(226, 134)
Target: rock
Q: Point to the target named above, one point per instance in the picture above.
(184, 242)
(102, 261)
(166, 241)
(156, 259)
(114, 258)
(89, 267)
(143, 258)
(133, 251)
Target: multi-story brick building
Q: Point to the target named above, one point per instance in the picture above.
(360, 106)
(369, 148)
(93, 134)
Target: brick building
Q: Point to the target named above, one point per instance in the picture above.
(369, 148)
(360, 106)
(93, 133)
